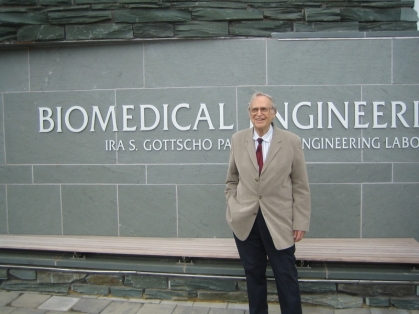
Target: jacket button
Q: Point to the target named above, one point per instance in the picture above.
(254, 214)
(257, 180)
(260, 197)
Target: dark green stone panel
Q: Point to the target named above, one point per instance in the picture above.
(99, 31)
(17, 2)
(259, 28)
(109, 6)
(55, 2)
(138, 1)
(227, 5)
(94, 1)
(204, 14)
(387, 26)
(12, 18)
(7, 33)
(160, 30)
(40, 33)
(284, 14)
(76, 17)
(202, 29)
(326, 27)
(322, 15)
(371, 15)
(145, 16)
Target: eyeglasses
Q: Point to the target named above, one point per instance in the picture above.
(263, 110)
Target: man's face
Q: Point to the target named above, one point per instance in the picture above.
(261, 114)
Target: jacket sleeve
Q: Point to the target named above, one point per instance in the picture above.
(232, 179)
(300, 190)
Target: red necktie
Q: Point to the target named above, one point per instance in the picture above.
(259, 154)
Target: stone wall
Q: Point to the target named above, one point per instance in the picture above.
(23, 21)
(334, 295)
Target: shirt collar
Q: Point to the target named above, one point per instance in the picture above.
(267, 137)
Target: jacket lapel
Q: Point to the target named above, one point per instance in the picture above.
(273, 148)
(250, 147)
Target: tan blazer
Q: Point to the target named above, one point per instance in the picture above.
(282, 191)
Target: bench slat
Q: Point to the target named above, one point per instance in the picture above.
(386, 250)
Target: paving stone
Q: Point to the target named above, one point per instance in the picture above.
(122, 308)
(91, 305)
(180, 309)
(226, 311)
(240, 306)
(333, 300)
(6, 297)
(157, 309)
(6, 309)
(317, 310)
(351, 311)
(389, 311)
(216, 305)
(57, 303)
(30, 300)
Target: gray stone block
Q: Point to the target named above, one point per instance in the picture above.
(30, 300)
(411, 303)
(283, 14)
(203, 142)
(146, 30)
(15, 174)
(377, 301)
(89, 210)
(225, 14)
(317, 27)
(22, 18)
(146, 282)
(58, 277)
(349, 173)
(17, 285)
(405, 53)
(15, 64)
(321, 15)
(406, 172)
(90, 289)
(55, 2)
(320, 62)
(234, 297)
(222, 67)
(3, 212)
(201, 29)
(149, 308)
(26, 203)
(78, 17)
(380, 219)
(259, 28)
(168, 294)
(371, 15)
(126, 292)
(202, 284)
(86, 68)
(335, 205)
(337, 301)
(57, 303)
(109, 280)
(147, 211)
(99, 31)
(27, 145)
(24, 274)
(182, 309)
(186, 174)
(387, 26)
(317, 287)
(113, 174)
(40, 33)
(7, 33)
(201, 211)
(151, 16)
(379, 289)
(3, 274)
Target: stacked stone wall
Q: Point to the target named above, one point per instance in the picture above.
(23, 21)
(331, 294)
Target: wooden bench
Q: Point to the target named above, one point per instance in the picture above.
(380, 250)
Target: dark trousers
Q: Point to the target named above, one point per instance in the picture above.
(253, 254)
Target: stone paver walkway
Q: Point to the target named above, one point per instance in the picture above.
(37, 303)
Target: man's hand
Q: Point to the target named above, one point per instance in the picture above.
(298, 235)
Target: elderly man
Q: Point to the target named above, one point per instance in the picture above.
(268, 205)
